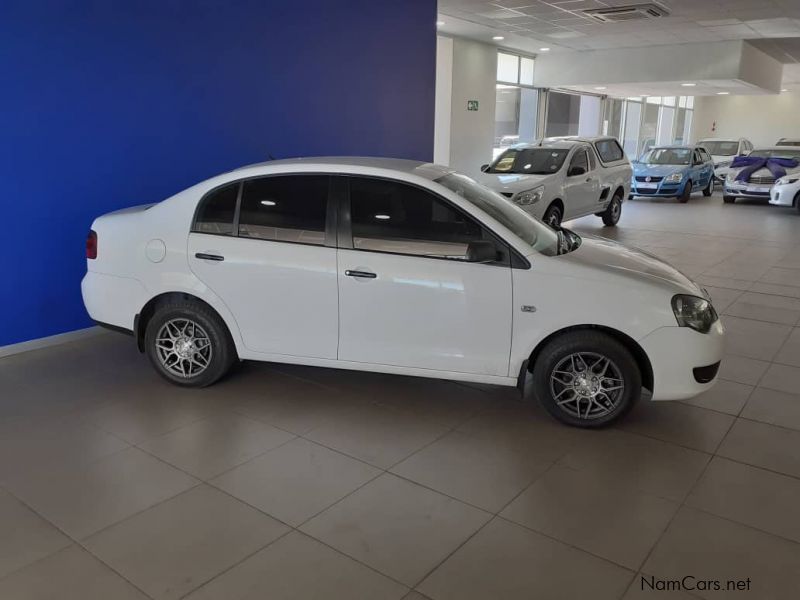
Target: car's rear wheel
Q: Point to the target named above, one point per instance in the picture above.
(553, 215)
(188, 344)
(613, 211)
(586, 379)
(729, 199)
(687, 193)
(709, 188)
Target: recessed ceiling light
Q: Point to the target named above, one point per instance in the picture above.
(600, 87)
(688, 84)
(497, 38)
(439, 23)
(722, 93)
(383, 217)
(784, 90)
(544, 49)
(268, 202)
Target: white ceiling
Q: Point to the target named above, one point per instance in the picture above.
(560, 25)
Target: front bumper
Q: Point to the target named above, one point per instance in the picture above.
(684, 361)
(744, 190)
(783, 195)
(663, 189)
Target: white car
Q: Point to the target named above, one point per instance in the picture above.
(723, 151)
(398, 267)
(786, 191)
(559, 179)
(788, 142)
(760, 183)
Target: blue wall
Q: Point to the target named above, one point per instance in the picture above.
(109, 104)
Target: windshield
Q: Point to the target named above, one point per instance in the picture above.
(536, 234)
(777, 153)
(668, 156)
(529, 161)
(785, 142)
(721, 147)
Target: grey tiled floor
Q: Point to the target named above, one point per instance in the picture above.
(293, 482)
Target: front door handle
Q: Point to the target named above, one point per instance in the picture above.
(361, 274)
(204, 256)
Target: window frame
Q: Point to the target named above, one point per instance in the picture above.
(331, 212)
(581, 148)
(508, 256)
(615, 141)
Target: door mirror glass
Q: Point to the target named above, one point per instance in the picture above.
(575, 171)
(484, 168)
(481, 251)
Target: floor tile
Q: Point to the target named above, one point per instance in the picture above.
(24, 536)
(479, 471)
(296, 481)
(178, 545)
(678, 423)
(708, 547)
(722, 298)
(766, 307)
(86, 499)
(724, 282)
(782, 378)
(216, 444)
(770, 406)
(504, 561)
(782, 276)
(789, 354)
(621, 525)
(634, 461)
(297, 567)
(775, 289)
(767, 446)
(71, 574)
(726, 396)
(399, 528)
(749, 495)
(754, 339)
(741, 369)
(649, 587)
(379, 435)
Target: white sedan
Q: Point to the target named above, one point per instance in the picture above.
(398, 267)
(786, 191)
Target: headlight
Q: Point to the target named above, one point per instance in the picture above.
(674, 178)
(785, 180)
(530, 196)
(730, 176)
(694, 312)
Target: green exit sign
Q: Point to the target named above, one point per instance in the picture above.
(472, 105)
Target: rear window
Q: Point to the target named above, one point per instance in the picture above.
(609, 150)
(216, 211)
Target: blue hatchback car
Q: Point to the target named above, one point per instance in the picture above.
(673, 172)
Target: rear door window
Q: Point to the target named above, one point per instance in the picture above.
(216, 211)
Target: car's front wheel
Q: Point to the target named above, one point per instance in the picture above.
(553, 215)
(586, 379)
(729, 199)
(188, 344)
(687, 193)
(613, 212)
(709, 188)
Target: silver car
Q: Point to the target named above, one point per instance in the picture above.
(561, 179)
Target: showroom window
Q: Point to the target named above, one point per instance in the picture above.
(652, 120)
(390, 216)
(288, 208)
(516, 102)
(572, 114)
(217, 210)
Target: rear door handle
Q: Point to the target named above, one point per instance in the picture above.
(362, 274)
(204, 256)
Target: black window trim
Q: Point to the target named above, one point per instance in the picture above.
(330, 215)
(515, 259)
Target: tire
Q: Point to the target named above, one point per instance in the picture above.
(630, 196)
(709, 189)
(553, 215)
(187, 323)
(613, 211)
(729, 199)
(573, 352)
(687, 192)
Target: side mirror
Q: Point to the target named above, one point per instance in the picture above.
(575, 171)
(481, 252)
(484, 168)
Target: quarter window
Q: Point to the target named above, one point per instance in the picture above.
(609, 150)
(217, 209)
(390, 216)
(288, 208)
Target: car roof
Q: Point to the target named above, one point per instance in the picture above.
(792, 148)
(332, 163)
(678, 146)
(719, 140)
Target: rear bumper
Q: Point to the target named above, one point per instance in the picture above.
(685, 363)
(111, 300)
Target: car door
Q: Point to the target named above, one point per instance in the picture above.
(263, 246)
(706, 167)
(581, 186)
(408, 296)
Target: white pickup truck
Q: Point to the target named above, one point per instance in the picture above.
(559, 179)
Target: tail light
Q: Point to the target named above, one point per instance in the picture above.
(91, 244)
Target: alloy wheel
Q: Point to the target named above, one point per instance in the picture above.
(587, 385)
(183, 347)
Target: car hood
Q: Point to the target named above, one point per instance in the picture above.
(721, 158)
(764, 172)
(602, 255)
(513, 184)
(657, 170)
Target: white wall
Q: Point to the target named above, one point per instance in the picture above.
(444, 99)
(473, 76)
(761, 119)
